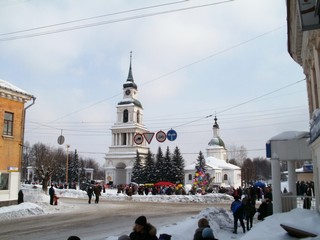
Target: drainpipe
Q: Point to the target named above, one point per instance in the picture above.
(22, 134)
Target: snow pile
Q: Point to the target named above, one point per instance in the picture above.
(21, 210)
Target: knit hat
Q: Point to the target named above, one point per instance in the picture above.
(207, 233)
(124, 237)
(142, 220)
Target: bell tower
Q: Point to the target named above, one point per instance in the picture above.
(129, 121)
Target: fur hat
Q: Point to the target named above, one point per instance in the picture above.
(207, 233)
(142, 220)
(203, 222)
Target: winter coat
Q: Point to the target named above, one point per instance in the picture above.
(90, 190)
(51, 191)
(150, 233)
(237, 207)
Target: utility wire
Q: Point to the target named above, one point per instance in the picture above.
(108, 22)
(174, 71)
(240, 104)
(90, 18)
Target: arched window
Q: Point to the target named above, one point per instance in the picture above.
(225, 177)
(138, 116)
(125, 115)
(190, 177)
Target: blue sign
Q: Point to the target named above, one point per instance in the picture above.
(172, 135)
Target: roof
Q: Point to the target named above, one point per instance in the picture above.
(216, 164)
(7, 90)
(290, 135)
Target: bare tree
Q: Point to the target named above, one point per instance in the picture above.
(248, 172)
(239, 154)
(45, 163)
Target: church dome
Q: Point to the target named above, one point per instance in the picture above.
(216, 141)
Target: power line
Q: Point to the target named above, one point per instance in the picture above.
(90, 18)
(174, 71)
(240, 104)
(108, 22)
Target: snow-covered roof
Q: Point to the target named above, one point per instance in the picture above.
(8, 86)
(289, 135)
(216, 164)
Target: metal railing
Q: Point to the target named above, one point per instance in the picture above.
(290, 202)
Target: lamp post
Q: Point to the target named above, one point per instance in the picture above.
(67, 163)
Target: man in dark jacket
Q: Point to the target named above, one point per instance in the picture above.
(143, 230)
(237, 210)
(90, 193)
(51, 194)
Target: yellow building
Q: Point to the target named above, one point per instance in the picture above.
(12, 120)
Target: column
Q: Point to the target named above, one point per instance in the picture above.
(276, 185)
(292, 178)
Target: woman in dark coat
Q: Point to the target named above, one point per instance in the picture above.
(143, 230)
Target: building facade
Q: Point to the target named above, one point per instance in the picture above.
(304, 47)
(12, 113)
(224, 174)
(124, 146)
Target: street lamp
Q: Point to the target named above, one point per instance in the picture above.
(67, 163)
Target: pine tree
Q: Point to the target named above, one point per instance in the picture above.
(149, 169)
(74, 168)
(168, 170)
(137, 170)
(178, 165)
(200, 179)
(159, 166)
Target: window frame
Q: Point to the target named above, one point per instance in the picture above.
(8, 124)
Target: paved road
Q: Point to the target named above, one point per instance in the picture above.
(97, 221)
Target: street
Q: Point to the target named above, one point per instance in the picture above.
(97, 221)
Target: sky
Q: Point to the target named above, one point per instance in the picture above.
(192, 60)
(220, 220)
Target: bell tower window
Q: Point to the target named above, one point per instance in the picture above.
(138, 117)
(125, 115)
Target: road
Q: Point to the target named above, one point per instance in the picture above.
(97, 221)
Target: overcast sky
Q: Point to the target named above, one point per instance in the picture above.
(191, 59)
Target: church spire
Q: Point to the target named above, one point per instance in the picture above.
(130, 77)
(130, 83)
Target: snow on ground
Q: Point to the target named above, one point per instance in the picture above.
(221, 220)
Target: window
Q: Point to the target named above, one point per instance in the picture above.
(138, 116)
(190, 176)
(125, 116)
(123, 139)
(8, 124)
(225, 177)
(4, 181)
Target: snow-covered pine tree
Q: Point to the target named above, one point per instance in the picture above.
(168, 169)
(74, 168)
(178, 165)
(160, 174)
(149, 169)
(137, 170)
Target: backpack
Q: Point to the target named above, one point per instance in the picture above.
(235, 206)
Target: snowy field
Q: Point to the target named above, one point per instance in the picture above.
(221, 220)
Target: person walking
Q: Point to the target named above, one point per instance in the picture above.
(90, 193)
(237, 210)
(97, 192)
(249, 211)
(143, 230)
(51, 194)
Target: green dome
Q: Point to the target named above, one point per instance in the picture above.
(216, 141)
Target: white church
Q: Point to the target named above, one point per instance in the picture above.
(123, 150)
(224, 174)
(122, 153)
